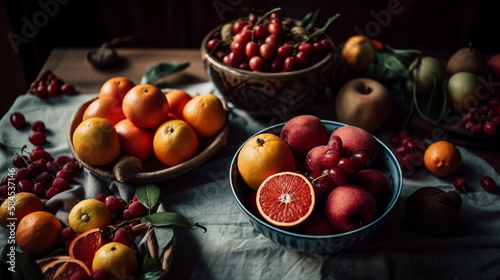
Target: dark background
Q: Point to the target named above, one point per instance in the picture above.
(442, 26)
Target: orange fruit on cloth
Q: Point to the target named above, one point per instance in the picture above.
(38, 233)
(286, 199)
(118, 259)
(442, 158)
(85, 245)
(109, 109)
(262, 156)
(135, 141)
(96, 141)
(177, 99)
(145, 106)
(88, 214)
(174, 142)
(63, 268)
(116, 88)
(206, 114)
(14, 208)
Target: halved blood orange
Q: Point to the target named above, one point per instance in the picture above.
(286, 199)
(45, 261)
(64, 268)
(84, 246)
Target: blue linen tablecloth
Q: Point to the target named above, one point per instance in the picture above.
(232, 249)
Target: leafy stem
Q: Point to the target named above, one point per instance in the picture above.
(318, 32)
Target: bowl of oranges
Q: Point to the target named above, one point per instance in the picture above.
(141, 133)
(310, 208)
(268, 64)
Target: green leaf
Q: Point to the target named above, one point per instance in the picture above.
(308, 21)
(162, 70)
(318, 32)
(168, 219)
(152, 275)
(149, 264)
(148, 195)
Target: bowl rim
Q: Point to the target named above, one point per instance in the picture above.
(395, 197)
(205, 54)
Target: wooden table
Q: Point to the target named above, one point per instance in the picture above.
(71, 65)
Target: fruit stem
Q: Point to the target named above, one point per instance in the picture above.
(265, 16)
(200, 226)
(470, 47)
(314, 180)
(320, 31)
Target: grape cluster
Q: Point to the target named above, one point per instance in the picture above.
(409, 151)
(48, 84)
(483, 119)
(38, 172)
(335, 166)
(125, 217)
(268, 44)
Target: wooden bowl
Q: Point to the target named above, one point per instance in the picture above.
(129, 169)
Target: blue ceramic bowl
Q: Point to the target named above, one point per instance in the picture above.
(385, 162)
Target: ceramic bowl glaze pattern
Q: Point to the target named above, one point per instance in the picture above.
(385, 162)
(260, 93)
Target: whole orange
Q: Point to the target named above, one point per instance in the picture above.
(110, 109)
(38, 233)
(134, 141)
(177, 99)
(174, 142)
(262, 156)
(357, 54)
(96, 141)
(145, 106)
(206, 114)
(116, 258)
(442, 158)
(116, 88)
(87, 214)
(14, 208)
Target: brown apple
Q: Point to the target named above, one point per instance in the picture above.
(467, 60)
(363, 102)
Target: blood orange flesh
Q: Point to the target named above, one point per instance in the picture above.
(64, 268)
(84, 246)
(286, 199)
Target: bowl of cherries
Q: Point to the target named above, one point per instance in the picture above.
(267, 65)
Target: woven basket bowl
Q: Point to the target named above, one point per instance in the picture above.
(128, 169)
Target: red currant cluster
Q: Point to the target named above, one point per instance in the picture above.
(39, 172)
(268, 44)
(48, 84)
(483, 119)
(333, 166)
(409, 151)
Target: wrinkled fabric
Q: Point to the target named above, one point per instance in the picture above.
(232, 249)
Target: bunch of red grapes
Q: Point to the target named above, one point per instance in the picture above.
(37, 171)
(483, 119)
(269, 44)
(335, 166)
(125, 218)
(409, 151)
(48, 84)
